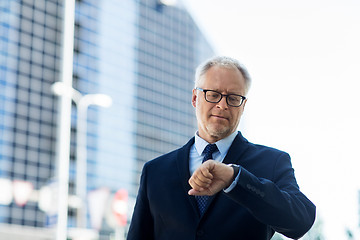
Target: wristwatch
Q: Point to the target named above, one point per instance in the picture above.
(236, 170)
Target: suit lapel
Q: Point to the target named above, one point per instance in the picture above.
(182, 161)
(237, 148)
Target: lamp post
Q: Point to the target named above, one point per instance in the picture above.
(81, 151)
(64, 118)
(82, 103)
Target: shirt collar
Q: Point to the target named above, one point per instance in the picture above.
(223, 145)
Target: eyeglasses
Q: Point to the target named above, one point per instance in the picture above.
(212, 96)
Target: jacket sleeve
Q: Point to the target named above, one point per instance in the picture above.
(278, 203)
(142, 226)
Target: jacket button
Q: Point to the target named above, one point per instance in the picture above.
(200, 233)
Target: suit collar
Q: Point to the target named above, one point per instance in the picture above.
(223, 145)
(236, 150)
(182, 160)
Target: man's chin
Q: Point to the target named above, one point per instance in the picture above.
(219, 133)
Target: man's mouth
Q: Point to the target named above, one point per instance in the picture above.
(219, 116)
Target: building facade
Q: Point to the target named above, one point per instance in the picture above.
(141, 53)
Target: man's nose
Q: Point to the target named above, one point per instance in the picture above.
(222, 104)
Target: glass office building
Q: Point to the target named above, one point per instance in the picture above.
(142, 53)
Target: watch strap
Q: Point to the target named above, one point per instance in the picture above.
(236, 170)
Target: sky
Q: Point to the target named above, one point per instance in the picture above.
(304, 59)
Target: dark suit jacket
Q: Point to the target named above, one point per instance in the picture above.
(266, 199)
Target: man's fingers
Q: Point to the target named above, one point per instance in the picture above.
(195, 193)
(205, 173)
(203, 192)
(195, 185)
(201, 178)
(199, 182)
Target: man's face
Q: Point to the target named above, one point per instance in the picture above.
(218, 120)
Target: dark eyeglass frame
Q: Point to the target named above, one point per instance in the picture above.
(221, 96)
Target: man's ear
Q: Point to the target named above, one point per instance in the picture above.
(193, 98)
(243, 106)
(244, 102)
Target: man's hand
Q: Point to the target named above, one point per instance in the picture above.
(210, 178)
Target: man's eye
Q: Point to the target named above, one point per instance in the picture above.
(234, 98)
(214, 95)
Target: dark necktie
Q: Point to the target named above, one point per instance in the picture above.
(202, 200)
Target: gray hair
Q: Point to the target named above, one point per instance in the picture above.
(222, 61)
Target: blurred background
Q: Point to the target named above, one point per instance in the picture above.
(91, 90)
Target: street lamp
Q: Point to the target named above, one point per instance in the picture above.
(64, 118)
(82, 103)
